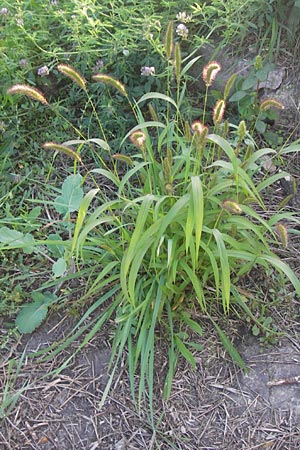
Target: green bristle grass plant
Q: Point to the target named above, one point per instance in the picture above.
(183, 224)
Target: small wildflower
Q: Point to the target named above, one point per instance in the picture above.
(43, 71)
(210, 71)
(138, 138)
(19, 22)
(23, 62)
(147, 71)
(232, 207)
(125, 52)
(219, 110)
(98, 66)
(182, 31)
(270, 103)
(183, 17)
(4, 12)
(54, 2)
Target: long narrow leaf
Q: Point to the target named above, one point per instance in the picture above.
(229, 347)
(225, 269)
(157, 95)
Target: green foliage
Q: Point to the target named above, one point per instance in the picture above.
(72, 193)
(246, 99)
(33, 314)
(160, 215)
(13, 238)
(10, 395)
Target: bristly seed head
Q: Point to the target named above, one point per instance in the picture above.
(210, 71)
(138, 138)
(232, 207)
(198, 127)
(73, 74)
(29, 91)
(219, 110)
(282, 234)
(270, 103)
(242, 130)
(107, 79)
(200, 133)
(62, 148)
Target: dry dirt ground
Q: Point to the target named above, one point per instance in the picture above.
(215, 407)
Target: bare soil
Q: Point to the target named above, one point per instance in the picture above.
(215, 407)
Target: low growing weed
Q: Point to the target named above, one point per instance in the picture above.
(183, 223)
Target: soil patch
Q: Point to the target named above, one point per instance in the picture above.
(215, 407)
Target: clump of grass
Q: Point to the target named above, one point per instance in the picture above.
(179, 232)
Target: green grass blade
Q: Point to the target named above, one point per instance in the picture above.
(281, 266)
(236, 357)
(271, 180)
(172, 358)
(157, 95)
(84, 205)
(225, 269)
(196, 284)
(198, 205)
(129, 174)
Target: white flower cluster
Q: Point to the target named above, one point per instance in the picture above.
(4, 12)
(182, 31)
(183, 17)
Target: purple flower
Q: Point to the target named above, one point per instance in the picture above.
(43, 71)
(23, 62)
(98, 66)
(147, 71)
